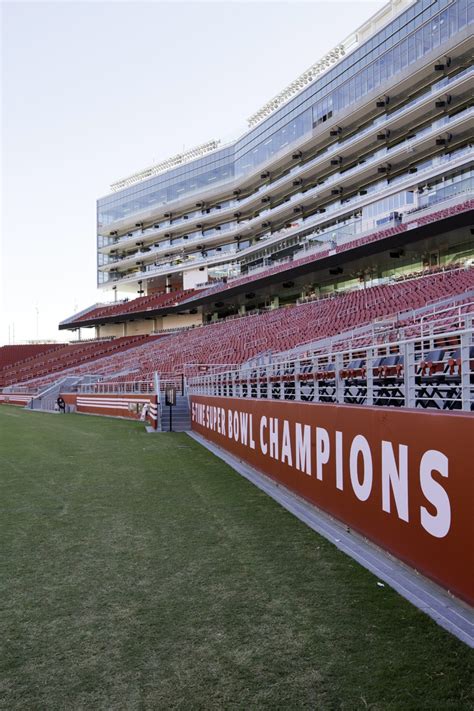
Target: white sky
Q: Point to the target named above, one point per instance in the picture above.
(93, 91)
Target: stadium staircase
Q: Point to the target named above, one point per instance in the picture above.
(46, 398)
(181, 415)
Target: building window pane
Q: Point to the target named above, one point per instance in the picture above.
(419, 43)
(411, 50)
(426, 39)
(443, 26)
(396, 59)
(462, 13)
(370, 77)
(435, 32)
(376, 74)
(404, 53)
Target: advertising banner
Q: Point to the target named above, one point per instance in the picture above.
(401, 478)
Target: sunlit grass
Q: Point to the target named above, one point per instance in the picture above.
(140, 572)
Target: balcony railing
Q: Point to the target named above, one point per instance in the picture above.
(414, 373)
(234, 226)
(341, 144)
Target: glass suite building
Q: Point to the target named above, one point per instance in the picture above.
(380, 127)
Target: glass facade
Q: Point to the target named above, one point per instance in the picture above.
(388, 205)
(416, 32)
(217, 167)
(422, 28)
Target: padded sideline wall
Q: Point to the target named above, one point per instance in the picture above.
(402, 478)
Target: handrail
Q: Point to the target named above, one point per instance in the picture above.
(111, 387)
(434, 373)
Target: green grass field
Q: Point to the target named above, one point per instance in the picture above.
(140, 572)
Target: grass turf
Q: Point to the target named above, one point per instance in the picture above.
(140, 572)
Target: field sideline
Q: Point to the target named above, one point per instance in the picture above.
(141, 572)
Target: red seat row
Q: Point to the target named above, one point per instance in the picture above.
(68, 356)
(234, 341)
(143, 303)
(10, 355)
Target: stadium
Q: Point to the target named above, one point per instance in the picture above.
(300, 302)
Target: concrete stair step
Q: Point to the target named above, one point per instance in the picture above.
(181, 416)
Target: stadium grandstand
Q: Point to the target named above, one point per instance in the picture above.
(343, 215)
(323, 261)
(344, 212)
(13, 353)
(361, 176)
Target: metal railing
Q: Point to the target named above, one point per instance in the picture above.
(19, 390)
(429, 95)
(431, 373)
(425, 323)
(117, 388)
